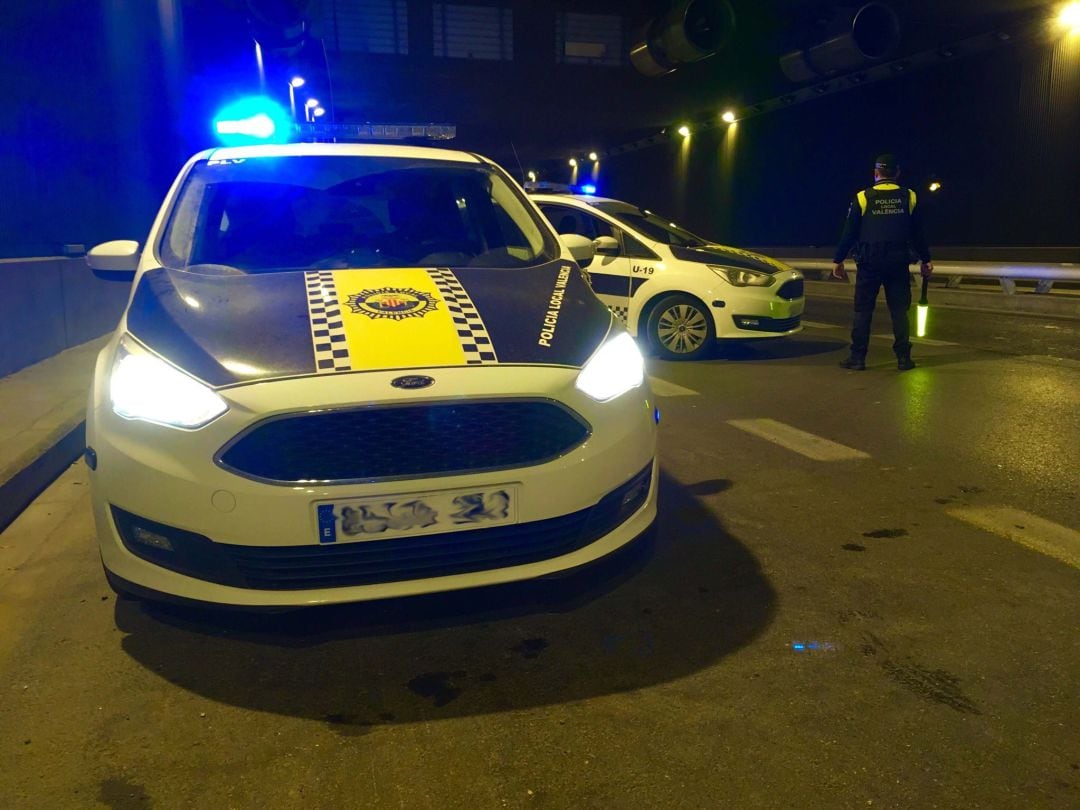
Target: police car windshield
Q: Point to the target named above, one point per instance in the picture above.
(269, 214)
(650, 225)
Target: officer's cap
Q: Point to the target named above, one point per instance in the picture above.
(886, 163)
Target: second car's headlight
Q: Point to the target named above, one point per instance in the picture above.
(743, 278)
(615, 368)
(146, 387)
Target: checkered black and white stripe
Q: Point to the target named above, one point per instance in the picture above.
(327, 327)
(474, 337)
(621, 313)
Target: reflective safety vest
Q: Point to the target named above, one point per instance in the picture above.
(885, 227)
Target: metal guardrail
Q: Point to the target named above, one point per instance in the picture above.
(1007, 273)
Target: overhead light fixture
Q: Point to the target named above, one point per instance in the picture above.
(1069, 18)
(593, 157)
(311, 102)
(935, 186)
(532, 176)
(318, 112)
(573, 162)
(684, 130)
(728, 117)
(296, 81)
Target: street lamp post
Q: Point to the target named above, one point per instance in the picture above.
(294, 82)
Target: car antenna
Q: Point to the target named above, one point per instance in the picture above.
(520, 167)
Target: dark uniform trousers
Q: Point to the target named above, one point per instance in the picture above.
(871, 276)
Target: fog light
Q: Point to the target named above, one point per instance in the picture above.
(149, 538)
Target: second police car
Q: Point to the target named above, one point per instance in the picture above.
(349, 372)
(676, 289)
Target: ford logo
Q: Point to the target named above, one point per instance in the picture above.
(412, 381)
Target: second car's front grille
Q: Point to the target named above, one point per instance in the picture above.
(413, 441)
(791, 290)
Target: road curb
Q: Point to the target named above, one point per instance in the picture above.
(54, 456)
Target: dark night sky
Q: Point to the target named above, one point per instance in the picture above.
(106, 98)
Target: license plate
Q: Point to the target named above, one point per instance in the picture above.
(413, 514)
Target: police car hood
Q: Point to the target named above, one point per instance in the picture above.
(235, 328)
(729, 257)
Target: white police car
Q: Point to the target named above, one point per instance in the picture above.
(679, 290)
(349, 372)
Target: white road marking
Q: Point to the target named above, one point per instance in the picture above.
(919, 341)
(1038, 534)
(803, 443)
(663, 388)
(817, 325)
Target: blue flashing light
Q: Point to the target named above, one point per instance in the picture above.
(588, 188)
(257, 119)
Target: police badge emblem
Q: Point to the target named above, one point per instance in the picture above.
(396, 303)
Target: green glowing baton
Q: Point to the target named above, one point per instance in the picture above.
(922, 311)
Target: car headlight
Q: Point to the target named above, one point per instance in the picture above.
(145, 387)
(740, 277)
(615, 368)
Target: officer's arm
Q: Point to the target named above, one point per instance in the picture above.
(918, 237)
(851, 232)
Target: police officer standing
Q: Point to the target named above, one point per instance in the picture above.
(884, 225)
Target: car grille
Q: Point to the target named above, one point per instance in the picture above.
(759, 323)
(790, 290)
(414, 441)
(379, 561)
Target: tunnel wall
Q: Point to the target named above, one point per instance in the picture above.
(51, 304)
(1000, 131)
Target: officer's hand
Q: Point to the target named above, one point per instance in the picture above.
(927, 269)
(838, 271)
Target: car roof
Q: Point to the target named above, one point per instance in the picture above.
(342, 149)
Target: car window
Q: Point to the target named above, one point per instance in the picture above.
(649, 224)
(309, 212)
(634, 249)
(573, 220)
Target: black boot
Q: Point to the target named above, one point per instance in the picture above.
(904, 361)
(855, 362)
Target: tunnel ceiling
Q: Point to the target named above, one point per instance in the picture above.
(622, 104)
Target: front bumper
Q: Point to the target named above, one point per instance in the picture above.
(168, 477)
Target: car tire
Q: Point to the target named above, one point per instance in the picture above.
(680, 328)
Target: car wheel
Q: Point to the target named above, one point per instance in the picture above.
(680, 328)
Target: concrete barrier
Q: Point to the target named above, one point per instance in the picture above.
(49, 304)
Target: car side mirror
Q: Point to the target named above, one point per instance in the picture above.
(580, 247)
(114, 261)
(606, 245)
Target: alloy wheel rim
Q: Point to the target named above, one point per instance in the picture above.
(682, 329)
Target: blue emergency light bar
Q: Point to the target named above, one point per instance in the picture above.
(319, 131)
(588, 188)
(252, 120)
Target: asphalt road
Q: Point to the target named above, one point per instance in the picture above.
(878, 608)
